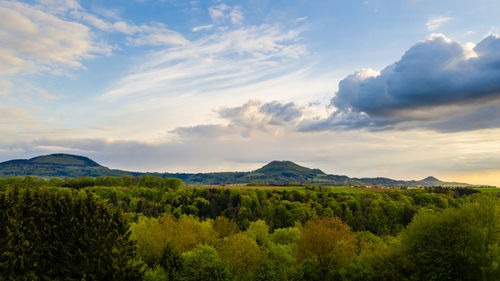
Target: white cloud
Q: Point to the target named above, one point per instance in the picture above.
(301, 19)
(17, 122)
(458, 88)
(436, 21)
(56, 35)
(203, 27)
(218, 12)
(34, 40)
(156, 35)
(180, 86)
(153, 34)
(493, 31)
(253, 116)
(124, 27)
(5, 87)
(10, 63)
(223, 13)
(236, 15)
(216, 61)
(91, 19)
(60, 6)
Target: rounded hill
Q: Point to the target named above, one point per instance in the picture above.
(286, 166)
(65, 159)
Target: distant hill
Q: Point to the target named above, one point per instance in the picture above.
(279, 172)
(57, 165)
(274, 173)
(287, 166)
(64, 159)
(428, 181)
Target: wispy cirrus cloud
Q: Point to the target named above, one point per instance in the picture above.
(219, 12)
(435, 22)
(55, 34)
(216, 61)
(59, 6)
(157, 35)
(236, 15)
(152, 34)
(5, 87)
(57, 37)
(203, 27)
(32, 39)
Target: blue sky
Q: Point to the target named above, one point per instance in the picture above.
(402, 89)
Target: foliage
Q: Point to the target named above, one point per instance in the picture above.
(259, 231)
(456, 244)
(225, 227)
(285, 236)
(278, 263)
(327, 240)
(48, 235)
(171, 262)
(156, 274)
(313, 233)
(241, 252)
(154, 235)
(203, 264)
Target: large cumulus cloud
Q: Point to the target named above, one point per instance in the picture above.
(438, 84)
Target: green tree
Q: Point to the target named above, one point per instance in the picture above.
(278, 264)
(156, 273)
(259, 231)
(285, 236)
(203, 264)
(327, 240)
(171, 262)
(225, 227)
(444, 246)
(241, 252)
(52, 236)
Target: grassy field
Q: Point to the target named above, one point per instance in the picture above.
(339, 189)
(335, 189)
(488, 189)
(246, 187)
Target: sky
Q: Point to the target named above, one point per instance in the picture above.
(402, 89)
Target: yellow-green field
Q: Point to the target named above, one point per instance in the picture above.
(245, 187)
(336, 189)
(346, 189)
(488, 189)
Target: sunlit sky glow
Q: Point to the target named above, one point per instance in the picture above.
(400, 89)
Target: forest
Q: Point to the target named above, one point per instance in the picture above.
(152, 228)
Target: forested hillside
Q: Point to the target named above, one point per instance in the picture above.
(57, 165)
(152, 228)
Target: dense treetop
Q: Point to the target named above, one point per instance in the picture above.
(154, 228)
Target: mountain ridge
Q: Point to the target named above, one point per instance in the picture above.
(273, 173)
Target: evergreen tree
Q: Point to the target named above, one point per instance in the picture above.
(50, 236)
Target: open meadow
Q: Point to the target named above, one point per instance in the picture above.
(488, 189)
(333, 189)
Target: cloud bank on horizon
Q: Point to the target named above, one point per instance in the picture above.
(178, 85)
